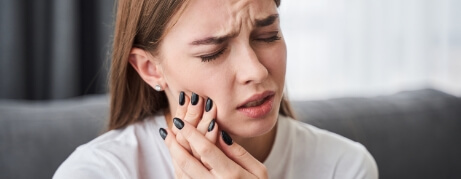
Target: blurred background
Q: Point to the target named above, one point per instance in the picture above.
(348, 63)
(55, 49)
(364, 48)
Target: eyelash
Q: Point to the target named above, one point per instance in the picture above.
(270, 39)
(213, 56)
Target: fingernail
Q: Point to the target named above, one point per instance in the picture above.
(163, 133)
(227, 139)
(181, 98)
(211, 126)
(178, 123)
(194, 99)
(208, 105)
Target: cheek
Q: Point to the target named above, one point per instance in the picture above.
(274, 59)
(179, 76)
(217, 84)
(192, 75)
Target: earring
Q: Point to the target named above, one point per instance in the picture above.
(158, 88)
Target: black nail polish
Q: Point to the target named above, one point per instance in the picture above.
(208, 105)
(182, 99)
(163, 133)
(211, 126)
(194, 99)
(227, 139)
(178, 123)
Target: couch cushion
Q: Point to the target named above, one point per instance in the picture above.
(36, 137)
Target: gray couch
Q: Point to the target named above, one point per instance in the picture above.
(413, 134)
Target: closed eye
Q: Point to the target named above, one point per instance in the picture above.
(212, 56)
(267, 37)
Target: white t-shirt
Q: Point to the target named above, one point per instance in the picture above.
(300, 151)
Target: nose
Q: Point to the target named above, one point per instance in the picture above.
(249, 68)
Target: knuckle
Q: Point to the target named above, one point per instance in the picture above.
(180, 112)
(192, 114)
(180, 138)
(240, 152)
(205, 150)
(183, 142)
(187, 133)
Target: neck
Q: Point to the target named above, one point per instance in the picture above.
(259, 147)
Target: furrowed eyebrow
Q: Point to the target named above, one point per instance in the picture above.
(269, 20)
(213, 40)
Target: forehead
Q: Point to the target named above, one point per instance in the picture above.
(220, 17)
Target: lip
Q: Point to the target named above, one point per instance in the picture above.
(260, 110)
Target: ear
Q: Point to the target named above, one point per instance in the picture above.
(147, 67)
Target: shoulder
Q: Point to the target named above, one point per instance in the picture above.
(113, 154)
(322, 138)
(346, 158)
(85, 162)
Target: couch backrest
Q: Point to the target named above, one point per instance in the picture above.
(414, 134)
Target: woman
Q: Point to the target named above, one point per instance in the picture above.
(209, 76)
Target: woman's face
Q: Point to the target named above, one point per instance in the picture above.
(233, 52)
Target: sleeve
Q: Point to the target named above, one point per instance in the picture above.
(89, 164)
(356, 163)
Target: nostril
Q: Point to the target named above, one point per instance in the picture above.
(255, 75)
(253, 69)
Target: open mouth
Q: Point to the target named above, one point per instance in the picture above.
(256, 102)
(258, 106)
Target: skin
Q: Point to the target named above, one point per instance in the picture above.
(251, 61)
(246, 67)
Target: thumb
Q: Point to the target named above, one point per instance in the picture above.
(241, 156)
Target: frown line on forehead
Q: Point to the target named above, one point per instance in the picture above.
(269, 20)
(214, 40)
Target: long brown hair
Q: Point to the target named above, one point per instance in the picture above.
(142, 24)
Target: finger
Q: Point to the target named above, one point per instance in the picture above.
(208, 116)
(193, 116)
(182, 108)
(183, 102)
(178, 172)
(183, 159)
(181, 140)
(211, 135)
(242, 157)
(213, 132)
(194, 110)
(210, 155)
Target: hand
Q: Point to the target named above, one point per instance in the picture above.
(232, 161)
(200, 113)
